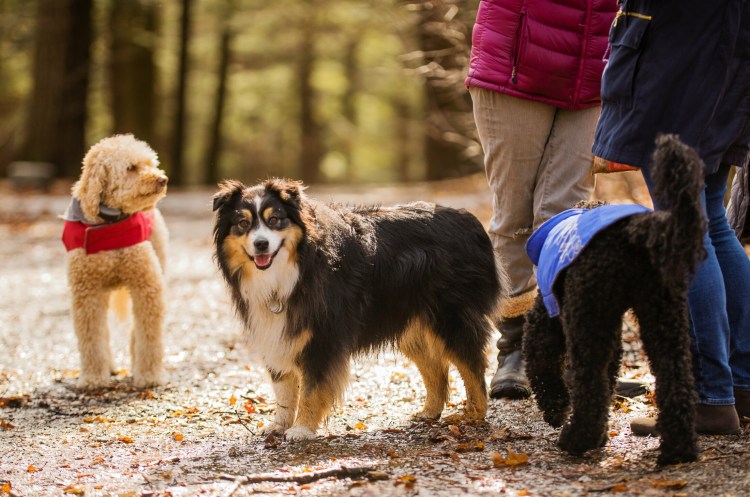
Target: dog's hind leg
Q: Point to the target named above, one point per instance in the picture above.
(544, 351)
(90, 323)
(286, 391)
(666, 340)
(428, 353)
(593, 336)
(466, 337)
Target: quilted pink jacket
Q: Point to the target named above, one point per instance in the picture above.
(549, 51)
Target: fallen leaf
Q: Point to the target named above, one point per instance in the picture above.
(455, 430)
(511, 460)
(476, 446)
(523, 492)
(621, 487)
(232, 400)
(148, 394)
(671, 484)
(73, 490)
(360, 426)
(6, 487)
(5, 425)
(31, 468)
(249, 407)
(177, 437)
(126, 440)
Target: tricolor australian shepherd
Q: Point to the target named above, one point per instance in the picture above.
(316, 284)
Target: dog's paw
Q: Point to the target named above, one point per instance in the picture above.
(93, 382)
(296, 433)
(428, 414)
(475, 412)
(274, 428)
(144, 380)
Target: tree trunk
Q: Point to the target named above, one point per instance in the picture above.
(55, 130)
(213, 171)
(443, 39)
(311, 150)
(349, 103)
(177, 169)
(133, 25)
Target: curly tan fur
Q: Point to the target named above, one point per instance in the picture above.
(122, 173)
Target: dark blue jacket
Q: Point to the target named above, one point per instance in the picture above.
(677, 66)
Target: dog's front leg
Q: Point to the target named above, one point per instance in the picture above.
(317, 398)
(147, 347)
(286, 390)
(90, 323)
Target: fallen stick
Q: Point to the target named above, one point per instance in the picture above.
(340, 472)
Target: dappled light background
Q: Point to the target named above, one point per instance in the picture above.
(322, 90)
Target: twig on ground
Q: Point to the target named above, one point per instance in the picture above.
(340, 472)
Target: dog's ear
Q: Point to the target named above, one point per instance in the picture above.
(228, 189)
(289, 190)
(89, 187)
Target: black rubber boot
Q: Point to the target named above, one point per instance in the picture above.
(510, 380)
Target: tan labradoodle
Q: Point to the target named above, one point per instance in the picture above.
(117, 239)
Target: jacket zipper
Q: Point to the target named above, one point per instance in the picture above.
(517, 47)
(628, 13)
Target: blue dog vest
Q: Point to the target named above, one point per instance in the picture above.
(559, 240)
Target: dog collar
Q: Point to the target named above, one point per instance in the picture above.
(95, 238)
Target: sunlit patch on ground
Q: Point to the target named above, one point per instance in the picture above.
(201, 433)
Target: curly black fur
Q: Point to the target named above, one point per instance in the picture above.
(642, 263)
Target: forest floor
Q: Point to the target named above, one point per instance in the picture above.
(199, 434)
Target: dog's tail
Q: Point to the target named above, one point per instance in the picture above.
(119, 302)
(676, 242)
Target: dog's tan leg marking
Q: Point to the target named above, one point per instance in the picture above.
(146, 285)
(89, 310)
(428, 353)
(286, 390)
(476, 389)
(316, 402)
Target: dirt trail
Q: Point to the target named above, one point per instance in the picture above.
(199, 434)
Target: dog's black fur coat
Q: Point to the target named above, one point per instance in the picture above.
(365, 276)
(641, 262)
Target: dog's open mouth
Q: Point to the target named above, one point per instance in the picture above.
(263, 261)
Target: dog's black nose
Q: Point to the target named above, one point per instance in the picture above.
(261, 244)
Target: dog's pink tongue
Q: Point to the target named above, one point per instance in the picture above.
(262, 260)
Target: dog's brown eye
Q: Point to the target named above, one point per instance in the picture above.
(243, 224)
(273, 221)
(132, 167)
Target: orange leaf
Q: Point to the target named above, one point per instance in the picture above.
(249, 407)
(126, 440)
(523, 492)
(360, 426)
(673, 484)
(31, 468)
(512, 459)
(177, 437)
(6, 487)
(5, 425)
(619, 488)
(73, 490)
(232, 400)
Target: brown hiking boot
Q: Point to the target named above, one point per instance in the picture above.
(709, 420)
(742, 403)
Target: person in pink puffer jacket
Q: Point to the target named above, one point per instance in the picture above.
(534, 79)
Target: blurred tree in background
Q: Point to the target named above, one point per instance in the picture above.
(321, 90)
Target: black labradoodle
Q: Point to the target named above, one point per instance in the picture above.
(641, 261)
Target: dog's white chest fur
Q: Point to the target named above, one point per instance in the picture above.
(264, 292)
